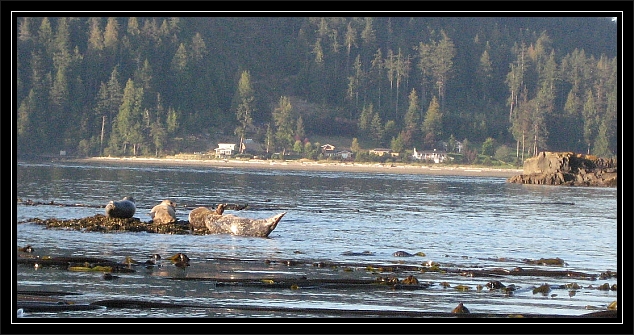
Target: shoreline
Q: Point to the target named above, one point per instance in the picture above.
(300, 165)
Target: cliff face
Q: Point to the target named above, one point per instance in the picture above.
(567, 168)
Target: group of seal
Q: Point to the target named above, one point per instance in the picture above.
(201, 218)
(165, 212)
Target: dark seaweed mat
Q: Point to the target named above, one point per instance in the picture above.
(101, 223)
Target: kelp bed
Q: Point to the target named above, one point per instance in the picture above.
(344, 276)
(101, 223)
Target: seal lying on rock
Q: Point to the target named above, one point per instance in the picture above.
(123, 209)
(165, 212)
(231, 224)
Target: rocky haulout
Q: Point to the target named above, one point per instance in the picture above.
(569, 169)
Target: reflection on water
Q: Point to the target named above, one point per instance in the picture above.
(463, 222)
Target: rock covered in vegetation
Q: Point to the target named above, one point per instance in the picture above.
(568, 168)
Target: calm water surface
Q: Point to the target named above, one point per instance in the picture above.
(458, 222)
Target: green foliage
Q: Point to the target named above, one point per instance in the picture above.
(452, 144)
(246, 107)
(354, 146)
(505, 154)
(159, 136)
(128, 125)
(356, 69)
(412, 117)
(310, 151)
(298, 146)
(488, 147)
(365, 119)
(283, 116)
(172, 121)
(432, 125)
(397, 144)
(376, 128)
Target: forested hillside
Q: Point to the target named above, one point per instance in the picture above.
(127, 86)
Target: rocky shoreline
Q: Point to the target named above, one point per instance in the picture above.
(568, 169)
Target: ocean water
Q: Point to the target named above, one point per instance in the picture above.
(354, 222)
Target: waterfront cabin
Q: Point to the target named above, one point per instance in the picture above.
(435, 156)
(225, 149)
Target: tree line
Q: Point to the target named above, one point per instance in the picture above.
(147, 85)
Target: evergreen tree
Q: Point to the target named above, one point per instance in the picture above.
(129, 122)
(397, 144)
(485, 73)
(432, 124)
(159, 135)
(425, 66)
(443, 66)
(350, 40)
(283, 116)
(95, 39)
(412, 117)
(365, 119)
(368, 38)
(246, 107)
(354, 146)
(488, 147)
(590, 120)
(300, 133)
(376, 76)
(376, 128)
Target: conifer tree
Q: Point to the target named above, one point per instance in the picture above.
(284, 123)
(432, 125)
(246, 107)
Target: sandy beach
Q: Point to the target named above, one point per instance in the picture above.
(306, 165)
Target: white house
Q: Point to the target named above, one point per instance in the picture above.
(225, 149)
(436, 156)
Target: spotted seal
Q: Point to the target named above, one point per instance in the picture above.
(123, 209)
(234, 225)
(197, 216)
(216, 222)
(165, 212)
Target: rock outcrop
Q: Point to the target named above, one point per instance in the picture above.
(568, 168)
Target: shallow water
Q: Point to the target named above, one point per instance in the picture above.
(459, 222)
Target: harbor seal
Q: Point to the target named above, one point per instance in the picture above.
(234, 225)
(165, 212)
(123, 209)
(402, 253)
(197, 216)
(216, 222)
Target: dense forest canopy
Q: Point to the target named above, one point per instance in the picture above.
(148, 85)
